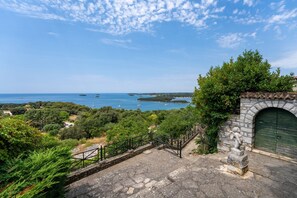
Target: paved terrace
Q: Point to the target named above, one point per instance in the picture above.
(158, 173)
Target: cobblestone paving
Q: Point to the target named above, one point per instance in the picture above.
(161, 174)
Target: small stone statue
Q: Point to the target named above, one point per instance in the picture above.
(237, 159)
(235, 134)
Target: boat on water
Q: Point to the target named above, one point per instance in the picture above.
(82, 94)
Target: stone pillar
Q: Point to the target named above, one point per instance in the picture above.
(237, 161)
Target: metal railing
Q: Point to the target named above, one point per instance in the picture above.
(101, 153)
(176, 145)
(82, 159)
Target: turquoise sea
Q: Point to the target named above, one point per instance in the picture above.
(115, 100)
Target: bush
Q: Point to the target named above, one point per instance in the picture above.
(41, 117)
(179, 122)
(93, 123)
(219, 91)
(18, 110)
(17, 137)
(70, 143)
(48, 141)
(64, 115)
(52, 129)
(42, 174)
(72, 133)
(130, 126)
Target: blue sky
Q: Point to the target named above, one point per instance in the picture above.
(56, 46)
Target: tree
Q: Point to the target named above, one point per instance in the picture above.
(72, 133)
(219, 91)
(18, 110)
(41, 117)
(179, 122)
(93, 123)
(128, 127)
(64, 115)
(52, 129)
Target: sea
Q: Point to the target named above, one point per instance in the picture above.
(93, 100)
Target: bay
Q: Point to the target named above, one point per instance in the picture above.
(93, 100)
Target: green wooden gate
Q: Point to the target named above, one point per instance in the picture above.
(276, 131)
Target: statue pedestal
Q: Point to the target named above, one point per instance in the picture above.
(237, 161)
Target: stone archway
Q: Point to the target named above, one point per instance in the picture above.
(252, 104)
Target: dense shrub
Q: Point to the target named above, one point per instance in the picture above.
(18, 110)
(70, 143)
(64, 115)
(178, 122)
(16, 137)
(93, 122)
(48, 141)
(52, 129)
(40, 117)
(219, 91)
(72, 133)
(130, 126)
(41, 174)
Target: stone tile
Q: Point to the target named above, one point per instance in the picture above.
(146, 180)
(139, 178)
(139, 185)
(117, 187)
(130, 191)
(150, 184)
(212, 190)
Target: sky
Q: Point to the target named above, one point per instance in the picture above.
(119, 46)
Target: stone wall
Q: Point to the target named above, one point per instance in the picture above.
(225, 143)
(250, 105)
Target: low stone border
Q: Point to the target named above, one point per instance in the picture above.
(94, 168)
(281, 157)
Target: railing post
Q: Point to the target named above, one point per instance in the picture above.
(104, 152)
(101, 154)
(83, 160)
(180, 149)
(98, 159)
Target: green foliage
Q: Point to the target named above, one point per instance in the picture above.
(40, 117)
(48, 141)
(72, 133)
(93, 122)
(153, 118)
(219, 91)
(64, 115)
(16, 137)
(70, 108)
(129, 126)
(178, 122)
(52, 129)
(70, 143)
(18, 110)
(41, 174)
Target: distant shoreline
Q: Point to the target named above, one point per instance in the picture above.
(164, 97)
